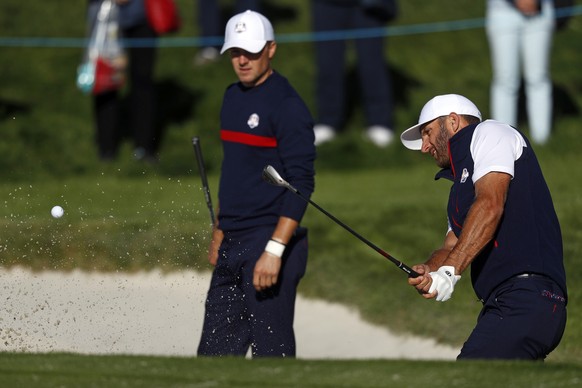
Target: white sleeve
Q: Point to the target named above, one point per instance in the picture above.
(495, 147)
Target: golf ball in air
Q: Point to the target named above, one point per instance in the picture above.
(57, 212)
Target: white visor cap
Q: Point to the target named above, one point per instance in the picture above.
(438, 106)
(249, 31)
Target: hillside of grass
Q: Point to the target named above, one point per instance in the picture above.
(127, 216)
(47, 123)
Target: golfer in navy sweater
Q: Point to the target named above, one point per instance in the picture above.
(258, 248)
(502, 223)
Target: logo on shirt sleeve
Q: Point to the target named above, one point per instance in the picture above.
(464, 175)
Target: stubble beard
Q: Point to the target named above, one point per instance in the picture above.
(442, 147)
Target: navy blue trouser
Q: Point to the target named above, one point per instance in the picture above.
(210, 20)
(237, 316)
(330, 56)
(524, 318)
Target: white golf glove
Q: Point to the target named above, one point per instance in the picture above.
(443, 281)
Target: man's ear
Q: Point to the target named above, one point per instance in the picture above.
(272, 49)
(454, 120)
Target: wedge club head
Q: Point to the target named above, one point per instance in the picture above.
(272, 176)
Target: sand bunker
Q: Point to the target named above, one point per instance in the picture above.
(151, 313)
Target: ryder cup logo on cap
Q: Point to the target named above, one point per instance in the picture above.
(240, 27)
(438, 106)
(249, 31)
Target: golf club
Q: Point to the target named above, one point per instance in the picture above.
(271, 175)
(202, 169)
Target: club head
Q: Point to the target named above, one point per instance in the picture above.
(272, 176)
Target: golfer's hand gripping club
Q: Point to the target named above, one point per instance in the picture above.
(443, 281)
(271, 175)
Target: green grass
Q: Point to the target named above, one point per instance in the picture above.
(129, 217)
(120, 224)
(110, 223)
(47, 124)
(64, 370)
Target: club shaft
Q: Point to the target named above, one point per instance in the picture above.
(411, 273)
(203, 177)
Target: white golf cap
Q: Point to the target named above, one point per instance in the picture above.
(438, 106)
(249, 31)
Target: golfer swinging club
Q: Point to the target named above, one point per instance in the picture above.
(258, 248)
(502, 223)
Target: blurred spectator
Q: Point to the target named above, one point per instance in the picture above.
(376, 85)
(212, 25)
(141, 95)
(520, 34)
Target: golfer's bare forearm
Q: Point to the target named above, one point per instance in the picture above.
(481, 222)
(284, 230)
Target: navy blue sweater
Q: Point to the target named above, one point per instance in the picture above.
(528, 239)
(266, 124)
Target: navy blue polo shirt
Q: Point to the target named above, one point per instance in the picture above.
(528, 238)
(262, 125)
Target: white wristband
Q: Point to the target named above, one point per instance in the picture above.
(275, 248)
